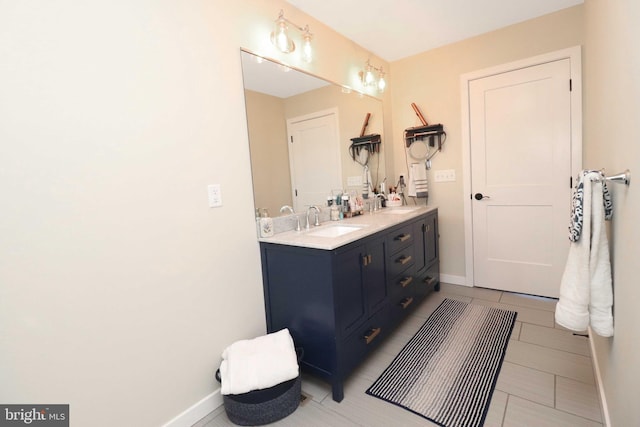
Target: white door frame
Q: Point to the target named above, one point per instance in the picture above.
(575, 57)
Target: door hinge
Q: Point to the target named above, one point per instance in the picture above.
(570, 85)
(291, 137)
(296, 192)
(570, 182)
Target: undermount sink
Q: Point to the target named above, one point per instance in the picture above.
(397, 211)
(334, 230)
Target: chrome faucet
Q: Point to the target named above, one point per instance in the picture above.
(317, 221)
(290, 209)
(378, 201)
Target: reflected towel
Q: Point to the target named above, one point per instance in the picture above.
(586, 295)
(418, 181)
(259, 363)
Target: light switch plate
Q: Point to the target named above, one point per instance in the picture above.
(354, 181)
(215, 195)
(444, 175)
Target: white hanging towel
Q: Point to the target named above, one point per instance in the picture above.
(366, 181)
(418, 181)
(586, 295)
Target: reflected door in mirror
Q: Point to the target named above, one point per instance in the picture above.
(314, 157)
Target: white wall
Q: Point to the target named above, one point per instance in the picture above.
(119, 286)
(612, 141)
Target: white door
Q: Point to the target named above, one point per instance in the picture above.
(314, 158)
(520, 150)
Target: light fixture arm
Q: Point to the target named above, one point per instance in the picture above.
(281, 40)
(368, 79)
(304, 30)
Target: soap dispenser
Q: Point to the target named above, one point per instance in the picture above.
(265, 224)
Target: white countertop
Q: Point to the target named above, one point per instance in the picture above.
(365, 225)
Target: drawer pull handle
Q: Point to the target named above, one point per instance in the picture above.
(404, 259)
(372, 335)
(366, 260)
(405, 282)
(406, 302)
(429, 280)
(403, 237)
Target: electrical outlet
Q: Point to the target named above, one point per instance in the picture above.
(215, 195)
(444, 175)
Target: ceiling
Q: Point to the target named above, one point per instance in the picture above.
(396, 29)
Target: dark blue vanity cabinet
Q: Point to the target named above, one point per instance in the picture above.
(340, 304)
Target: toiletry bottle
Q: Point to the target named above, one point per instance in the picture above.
(346, 208)
(334, 213)
(258, 217)
(266, 224)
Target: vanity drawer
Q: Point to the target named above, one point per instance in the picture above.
(405, 303)
(366, 338)
(401, 283)
(429, 279)
(400, 261)
(400, 238)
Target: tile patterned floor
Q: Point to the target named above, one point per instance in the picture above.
(547, 377)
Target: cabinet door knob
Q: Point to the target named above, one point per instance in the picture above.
(373, 333)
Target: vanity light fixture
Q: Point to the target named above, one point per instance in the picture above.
(281, 40)
(369, 79)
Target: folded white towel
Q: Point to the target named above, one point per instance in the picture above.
(258, 363)
(586, 295)
(418, 181)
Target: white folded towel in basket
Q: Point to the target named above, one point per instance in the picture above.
(258, 363)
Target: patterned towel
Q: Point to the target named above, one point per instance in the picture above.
(577, 205)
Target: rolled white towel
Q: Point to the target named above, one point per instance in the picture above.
(258, 363)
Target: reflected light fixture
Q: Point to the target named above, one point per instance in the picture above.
(369, 79)
(281, 40)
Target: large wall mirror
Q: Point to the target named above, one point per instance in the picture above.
(284, 105)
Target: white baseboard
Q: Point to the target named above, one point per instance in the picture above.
(453, 280)
(596, 367)
(197, 411)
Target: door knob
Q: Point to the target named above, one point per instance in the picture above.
(480, 196)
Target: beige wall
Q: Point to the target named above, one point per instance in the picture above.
(612, 137)
(432, 81)
(119, 286)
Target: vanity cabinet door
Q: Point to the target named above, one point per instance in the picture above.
(431, 238)
(426, 249)
(361, 288)
(351, 307)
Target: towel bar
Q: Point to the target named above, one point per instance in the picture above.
(623, 177)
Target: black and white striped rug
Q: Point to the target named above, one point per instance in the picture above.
(447, 372)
